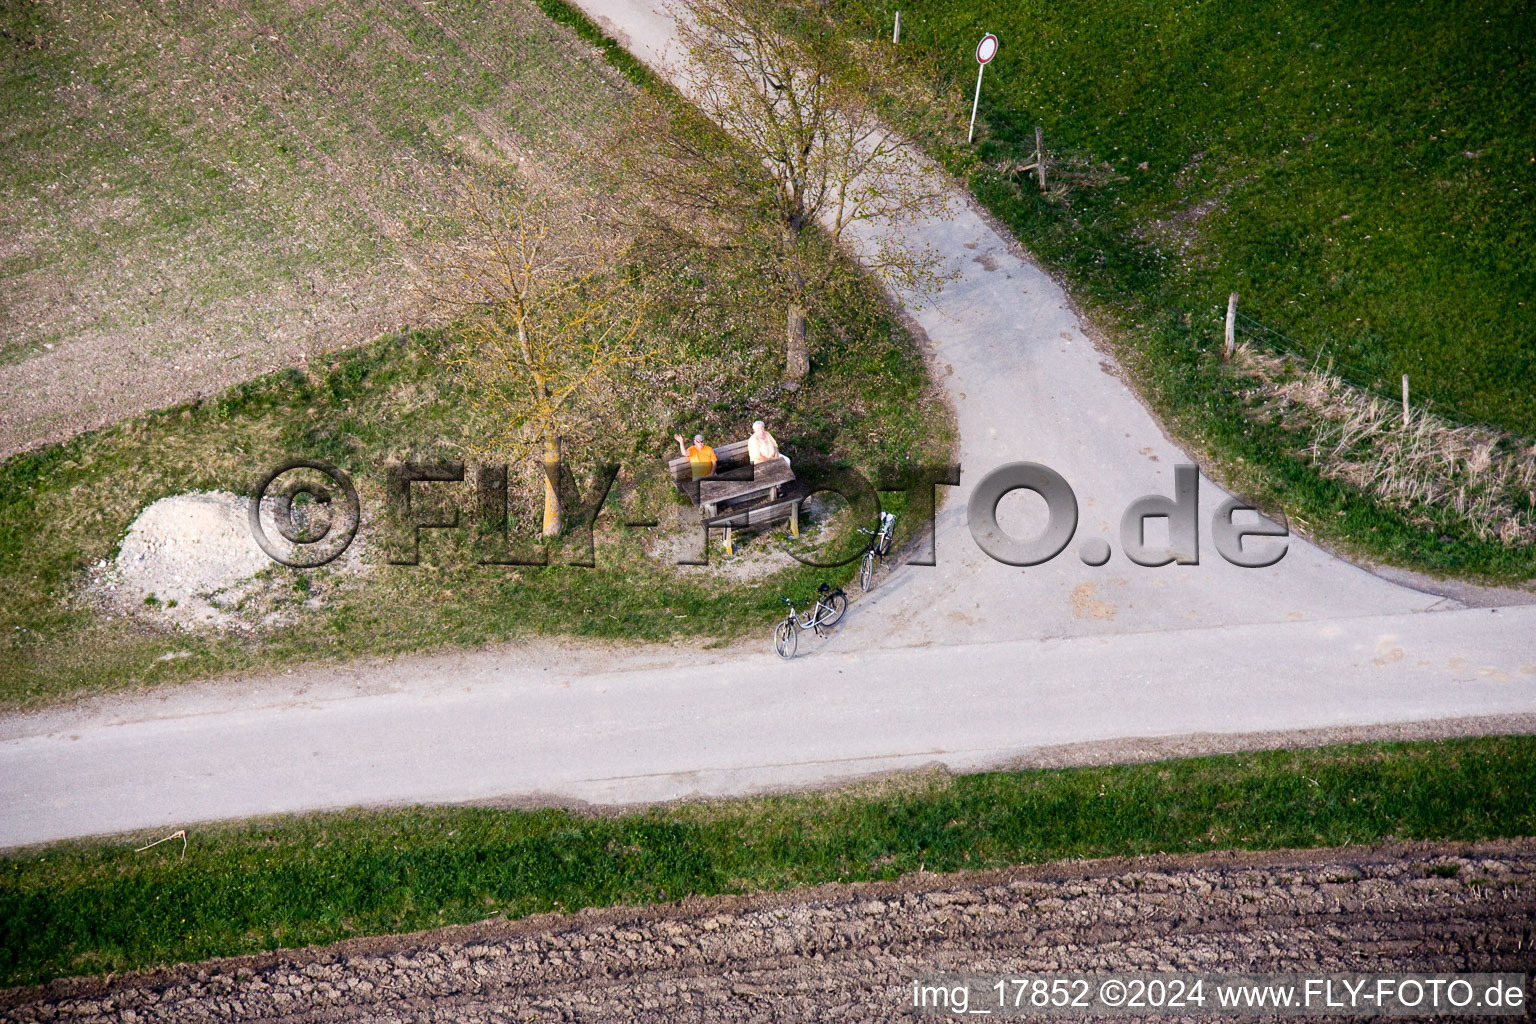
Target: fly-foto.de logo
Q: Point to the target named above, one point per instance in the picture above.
(320, 529)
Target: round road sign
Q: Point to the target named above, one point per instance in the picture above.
(986, 49)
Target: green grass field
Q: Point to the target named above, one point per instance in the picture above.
(1363, 177)
(96, 906)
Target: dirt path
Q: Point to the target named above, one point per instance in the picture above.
(852, 952)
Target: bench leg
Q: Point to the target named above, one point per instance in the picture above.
(729, 549)
(794, 520)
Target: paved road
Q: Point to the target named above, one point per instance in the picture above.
(469, 727)
(970, 662)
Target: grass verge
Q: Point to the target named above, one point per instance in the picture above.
(97, 906)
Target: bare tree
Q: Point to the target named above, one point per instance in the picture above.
(803, 156)
(550, 316)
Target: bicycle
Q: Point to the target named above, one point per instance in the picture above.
(830, 605)
(879, 548)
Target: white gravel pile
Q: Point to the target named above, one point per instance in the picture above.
(187, 549)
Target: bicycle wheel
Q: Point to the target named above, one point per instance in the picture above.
(785, 639)
(830, 610)
(867, 570)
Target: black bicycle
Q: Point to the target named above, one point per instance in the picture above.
(830, 605)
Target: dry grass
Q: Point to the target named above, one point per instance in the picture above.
(1485, 478)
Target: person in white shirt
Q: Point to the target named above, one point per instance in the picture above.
(761, 446)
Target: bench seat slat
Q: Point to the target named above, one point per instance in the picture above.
(761, 515)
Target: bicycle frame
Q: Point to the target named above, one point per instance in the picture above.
(814, 619)
(827, 611)
(879, 540)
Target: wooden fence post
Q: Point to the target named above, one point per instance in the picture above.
(1405, 399)
(896, 32)
(1231, 342)
(1040, 157)
(1039, 165)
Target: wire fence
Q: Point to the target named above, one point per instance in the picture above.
(1478, 472)
(1372, 382)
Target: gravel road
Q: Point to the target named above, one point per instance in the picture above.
(851, 952)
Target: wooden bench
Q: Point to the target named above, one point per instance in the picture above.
(735, 481)
(726, 456)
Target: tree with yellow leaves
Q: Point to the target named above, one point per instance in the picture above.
(553, 312)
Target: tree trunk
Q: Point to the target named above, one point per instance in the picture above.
(798, 358)
(552, 519)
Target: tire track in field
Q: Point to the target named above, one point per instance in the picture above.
(264, 89)
(492, 126)
(559, 113)
(387, 223)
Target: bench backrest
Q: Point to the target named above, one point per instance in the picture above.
(725, 455)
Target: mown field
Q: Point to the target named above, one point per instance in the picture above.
(93, 907)
(1363, 177)
(319, 162)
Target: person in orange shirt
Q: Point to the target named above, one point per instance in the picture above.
(701, 457)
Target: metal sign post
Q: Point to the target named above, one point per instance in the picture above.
(985, 51)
